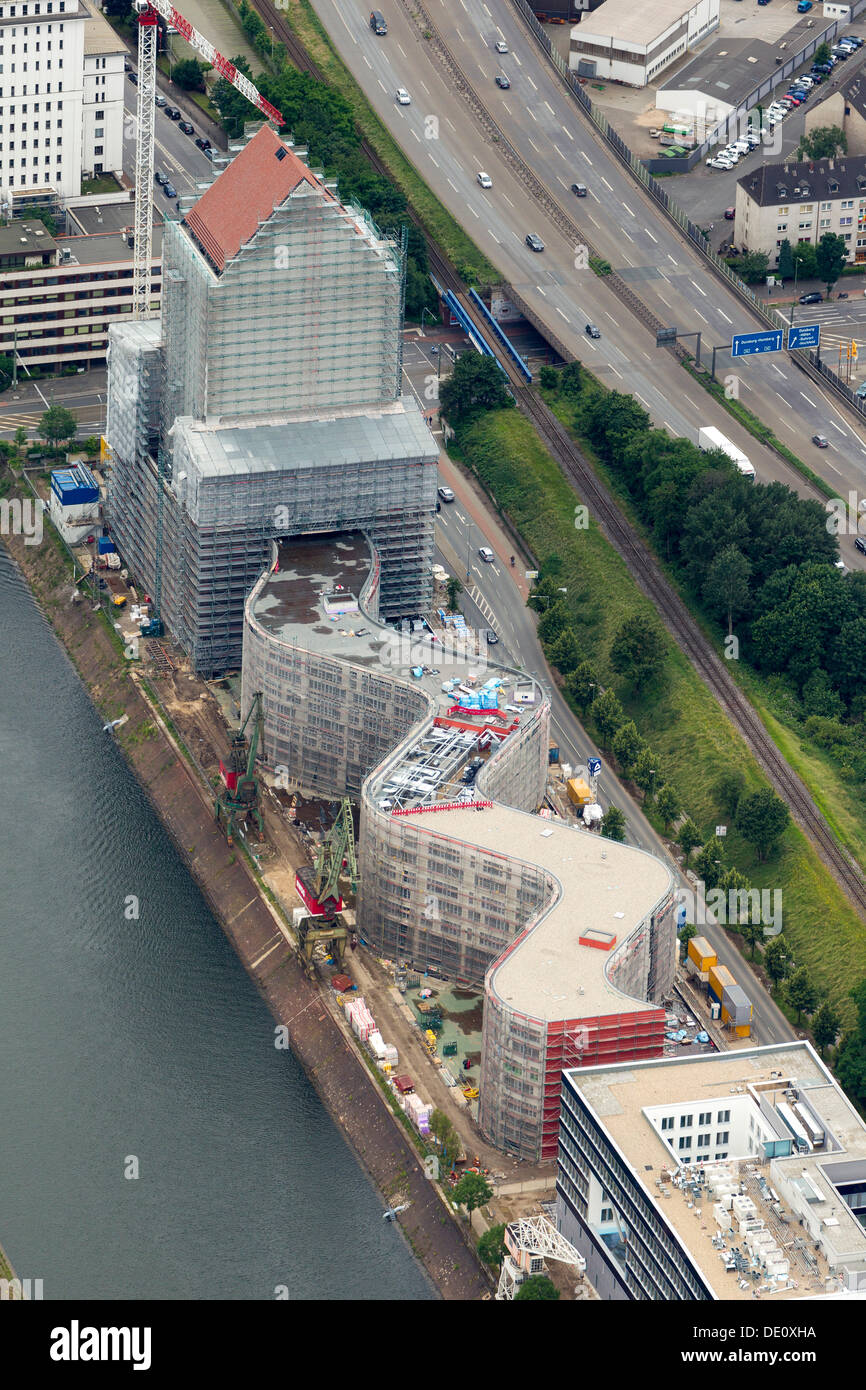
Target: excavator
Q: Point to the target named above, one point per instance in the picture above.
(238, 804)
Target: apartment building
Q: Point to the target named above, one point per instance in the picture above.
(102, 103)
(801, 201)
(732, 1176)
(59, 297)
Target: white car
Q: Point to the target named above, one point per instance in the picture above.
(741, 145)
(501, 46)
(486, 554)
(720, 163)
(403, 97)
(485, 180)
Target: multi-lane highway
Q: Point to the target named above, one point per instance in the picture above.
(540, 119)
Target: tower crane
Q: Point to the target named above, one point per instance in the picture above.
(239, 800)
(318, 886)
(148, 13)
(529, 1242)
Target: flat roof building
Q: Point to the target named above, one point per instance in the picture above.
(720, 1177)
(632, 42)
(801, 201)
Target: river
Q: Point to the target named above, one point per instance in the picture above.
(141, 1046)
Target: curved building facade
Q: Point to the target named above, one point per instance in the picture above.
(446, 752)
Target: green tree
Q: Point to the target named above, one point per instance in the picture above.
(91, 445)
(627, 744)
(824, 143)
(851, 1057)
(611, 419)
(778, 960)
(613, 824)
(645, 773)
(607, 714)
(688, 837)
(472, 1191)
(728, 790)
(20, 442)
(549, 378)
(581, 685)
(491, 1246)
(668, 805)
(473, 388)
(831, 256)
(188, 74)
(6, 366)
(727, 585)
(57, 424)
(571, 379)
(805, 257)
(785, 267)
(822, 53)
(455, 589)
(761, 818)
(685, 936)
(638, 651)
(710, 862)
(449, 1140)
(117, 9)
(537, 1288)
(564, 653)
(753, 267)
(553, 622)
(825, 1026)
(802, 994)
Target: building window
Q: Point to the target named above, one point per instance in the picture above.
(782, 227)
(667, 1122)
(723, 1117)
(685, 1142)
(686, 1121)
(706, 1118)
(703, 1141)
(607, 1213)
(781, 212)
(722, 1137)
(98, 149)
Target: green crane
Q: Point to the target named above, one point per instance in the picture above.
(322, 883)
(238, 804)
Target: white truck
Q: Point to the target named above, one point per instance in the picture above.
(711, 438)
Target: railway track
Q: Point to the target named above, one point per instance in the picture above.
(641, 563)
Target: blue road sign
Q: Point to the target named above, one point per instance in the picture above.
(805, 335)
(745, 344)
(594, 765)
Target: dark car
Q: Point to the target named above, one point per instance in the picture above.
(133, 79)
(860, 544)
(814, 297)
(160, 177)
(172, 113)
(579, 190)
(169, 190)
(823, 68)
(593, 331)
(502, 81)
(730, 214)
(534, 242)
(202, 143)
(492, 639)
(186, 128)
(820, 441)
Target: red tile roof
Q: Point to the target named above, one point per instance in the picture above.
(245, 194)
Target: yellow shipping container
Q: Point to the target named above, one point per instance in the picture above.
(720, 978)
(702, 953)
(744, 1030)
(578, 791)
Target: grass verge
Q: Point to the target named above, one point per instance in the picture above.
(678, 715)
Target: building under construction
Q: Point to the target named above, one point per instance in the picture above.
(267, 403)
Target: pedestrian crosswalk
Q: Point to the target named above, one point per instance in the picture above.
(12, 420)
(483, 607)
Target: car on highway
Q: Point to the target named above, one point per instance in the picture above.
(446, 494)
(133, 79)
(491, 637)
(813, 297)
(160, 100)
(209, 152)
(579, 190)
(485, 180)
(820, 441)
(502, 81)
(403, 97)
(202, 142)
(860, 544)
(501, 46)
(172, 113)
(169, 189)
(486, 554)
(593, 331)
(187, 128)
(160, 177)
(534, 242)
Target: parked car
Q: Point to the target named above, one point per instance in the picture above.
(820, 441)
(485, 180)
(486, 554)
(502, 81)
(446, 494)
(804, 6)
(169, 189)
(403, 97)
(501, 46)
(186, 128)
(534, 242)
(860, 544)
(593, 331)
(730, 214)
(813, 297)
(861, 390)
(491, 637)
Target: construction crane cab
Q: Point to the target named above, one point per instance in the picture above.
(318, 887)
(238, 804)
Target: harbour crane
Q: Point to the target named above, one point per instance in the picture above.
(529, 1242)
(318, 886)
(238, 803)
(149, 12)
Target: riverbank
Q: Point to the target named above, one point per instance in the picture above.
(254, 927)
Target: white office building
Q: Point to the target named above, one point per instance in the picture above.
(633, 41)
(102, 140)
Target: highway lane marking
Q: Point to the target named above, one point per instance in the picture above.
(698, 288)
(614, 370)
(663, 300)
(559, 152)
(589, 343)
(402, 49)
(562, 181)
(611, 317)
(808, 402)
(625, 234)
(779, 370)
(532, 114)
(648, 232)
(460, 517)
(508, 200)
(472, 210)
(564, 316)
(593, 221)
(541, 291)
(382, 85)
(495, 238)
(457, 27)
(454, 186)
(424, 85)
(417, 136)
(700, 316)
(367, 60)
(507, 107)
(641, 399)
(533, 144)
(345, 26)
(670, 258)
(477, 570)
(486, 11)
(571, 137)
(669, 427)
(550, 108)
(628, 209)
(531, 83)
(435, 161)
(626, 258)
(451, 123)
(782, 399)
(515, 57)
(724, 316)
(838, 427)
(690, 401)
(833, 466)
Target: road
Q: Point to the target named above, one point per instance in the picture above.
(541, 120)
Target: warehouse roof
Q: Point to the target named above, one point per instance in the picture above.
(637, 22)
(812, 180)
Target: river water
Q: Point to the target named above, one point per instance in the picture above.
(143, 1044)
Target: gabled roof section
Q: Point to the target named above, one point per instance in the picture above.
(244, 195)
